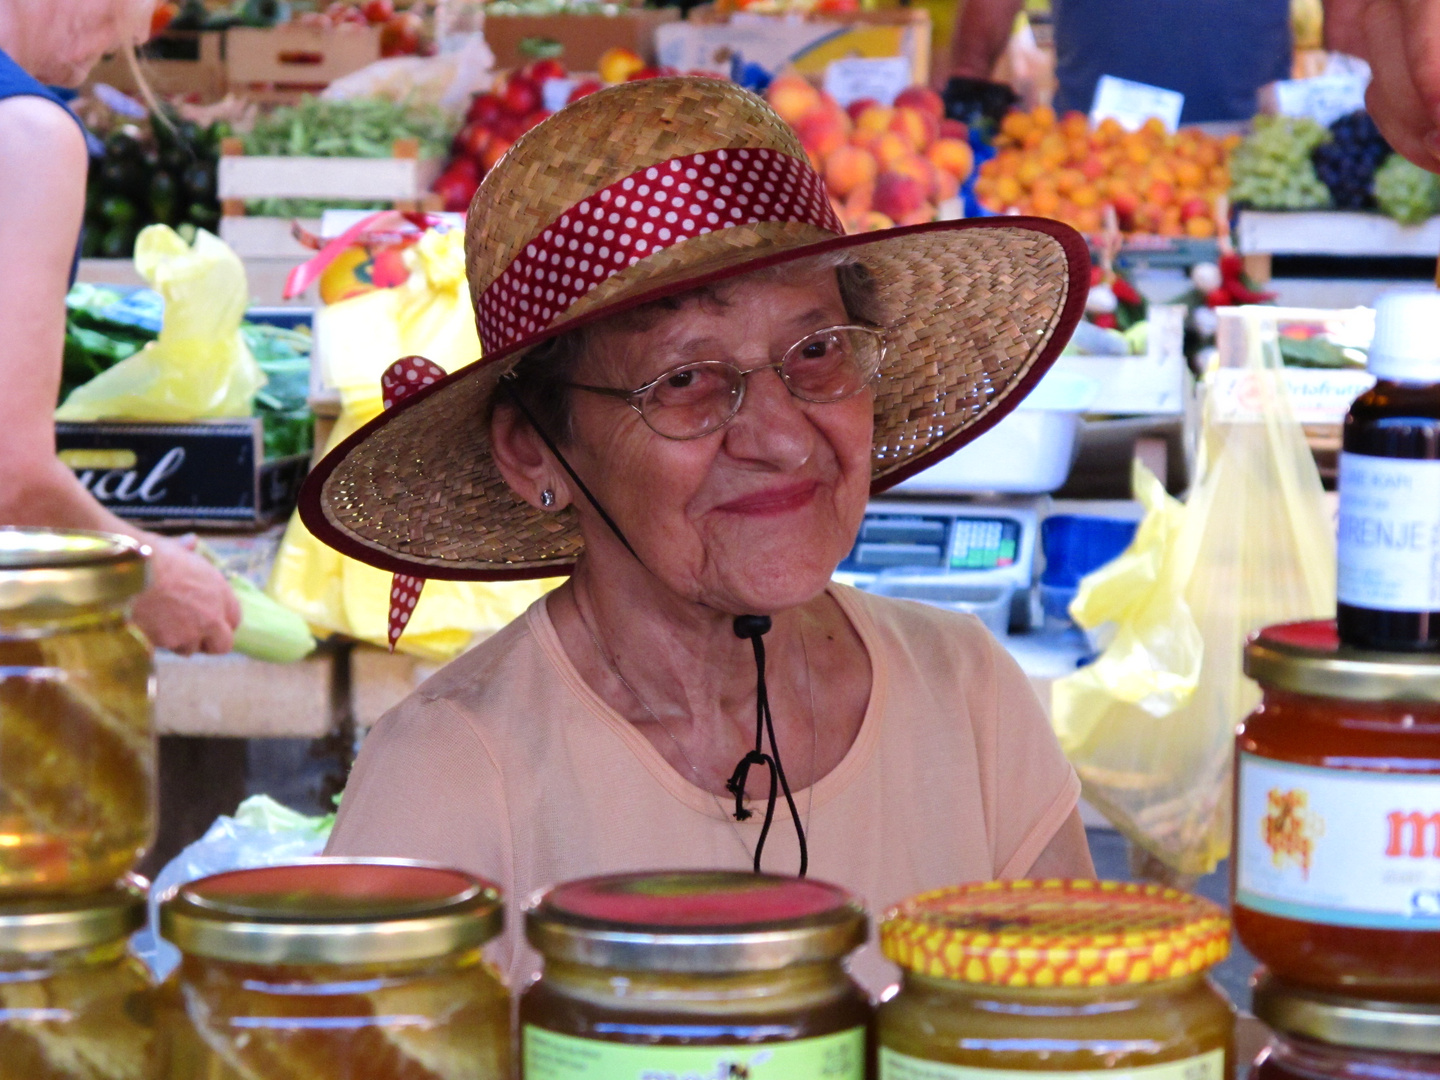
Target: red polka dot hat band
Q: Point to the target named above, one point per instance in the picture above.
(644, 192)
(646, 212)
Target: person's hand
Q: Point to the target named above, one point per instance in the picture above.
(1400, 39)
(189, 606)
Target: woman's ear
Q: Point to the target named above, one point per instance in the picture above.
(524, 461)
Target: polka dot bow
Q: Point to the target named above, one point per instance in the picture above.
(401, 379)
(645, 213)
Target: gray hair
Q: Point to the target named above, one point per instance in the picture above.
(540, 377)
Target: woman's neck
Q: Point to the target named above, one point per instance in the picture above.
(676, 670)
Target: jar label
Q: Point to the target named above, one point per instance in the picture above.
(552, 1056)
(1207, 1066)
(1344, 847)
(1389, 552)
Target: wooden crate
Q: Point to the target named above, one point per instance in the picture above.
(282, 62)
(201, 76)
(1262, 234)
(584, 37)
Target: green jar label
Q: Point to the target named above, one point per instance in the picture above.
(893, 1066)
(550, 1056)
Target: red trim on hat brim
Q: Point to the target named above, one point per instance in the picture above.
(1077, 253)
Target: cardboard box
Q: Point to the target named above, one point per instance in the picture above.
(297, 59)
(584, 37)
(711, 41)
(179, 63)
(205, 474)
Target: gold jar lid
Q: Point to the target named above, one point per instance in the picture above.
(333, 911)
(1307, 658)
(65, 923)
(47, 572)
(1348, 1022)
(695, 922)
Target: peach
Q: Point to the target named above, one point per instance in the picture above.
(792, 97)
(1092, 168)
(871, 221)
(1045, 201)
(1007, 191)
(1067, 180)
(916, 166)
(861, 200)
(921, 215)
(918, 127)
(899, 194)
(860, 105)
(946, 186)
(822, 132)
(873, 121)
(890, 147)
(1160, 193)
(923, 99)
(1201, 227)
(847, 167)
(1085, 197)
(1194, 207)
(1088, 219)
(954, 157)
(954, 129)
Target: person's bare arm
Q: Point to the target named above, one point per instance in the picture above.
(43, 160)
(1400, 39)
(1068, 853)
(981, 36)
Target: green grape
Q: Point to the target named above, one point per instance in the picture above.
(1272, 170)
(1405, 191)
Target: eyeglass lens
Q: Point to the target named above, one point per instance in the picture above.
(829, 365)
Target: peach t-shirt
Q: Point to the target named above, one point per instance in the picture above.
(508, 765)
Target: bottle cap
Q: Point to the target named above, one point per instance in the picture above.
(1406, 347)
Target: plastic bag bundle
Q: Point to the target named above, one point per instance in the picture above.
(200, 367)
(1150, 725)
(430, 315)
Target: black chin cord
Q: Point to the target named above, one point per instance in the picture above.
(753, 627)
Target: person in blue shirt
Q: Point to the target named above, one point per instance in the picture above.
(1219, 52)
(189, 606)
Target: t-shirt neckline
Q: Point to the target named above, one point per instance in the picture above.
(684, 788)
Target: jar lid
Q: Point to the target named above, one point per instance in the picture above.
(1405, 347)
(1055, 934)
(708, 921)
(46, 571)
(60, 924)
(1350, 1022)
(1307, 658)
(333, 911)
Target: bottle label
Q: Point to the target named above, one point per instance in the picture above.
(1207, 1066)
(1389, 551)
(1343, 847)
(552, 1056)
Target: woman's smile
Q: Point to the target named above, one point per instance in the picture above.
(773, 501)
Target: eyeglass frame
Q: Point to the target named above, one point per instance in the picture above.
(630, 396)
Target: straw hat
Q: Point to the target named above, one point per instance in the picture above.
(642, 191)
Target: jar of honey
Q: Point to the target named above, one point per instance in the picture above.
(77, 746)
(703, 974)
(1055, 978)
(1318, 1036)
(1337, 816)
(331, 969)
(73, 1004)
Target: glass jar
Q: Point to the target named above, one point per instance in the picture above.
(77, 746)
(1317, 1036)
(73, 1004)
(1337, 816)
(334, 969)
(704, 974)
(1055, 978)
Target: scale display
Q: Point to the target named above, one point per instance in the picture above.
(983, 543)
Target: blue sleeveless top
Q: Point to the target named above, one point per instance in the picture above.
(15, 81)
(1215, 52)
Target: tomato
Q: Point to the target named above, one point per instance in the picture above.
(472, 140)
(584, 89)
(484, 109)
(542, 71)
(163, 15)
(378, 11)
(520, 97)
(401, 35)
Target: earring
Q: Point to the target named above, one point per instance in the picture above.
(547, 498)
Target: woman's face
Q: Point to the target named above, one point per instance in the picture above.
(754, 517)
(67, 38)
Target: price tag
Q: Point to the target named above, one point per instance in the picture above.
(879, 79)
(1132, 103)
(1323, 99)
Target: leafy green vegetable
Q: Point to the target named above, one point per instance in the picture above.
(364, 127)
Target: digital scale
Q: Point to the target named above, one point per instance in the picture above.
(964, 541)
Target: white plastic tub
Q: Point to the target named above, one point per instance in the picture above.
(1028, 453)
(989, 601)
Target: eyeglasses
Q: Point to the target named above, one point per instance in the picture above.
(695, 399)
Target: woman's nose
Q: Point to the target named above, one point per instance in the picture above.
(771, 425)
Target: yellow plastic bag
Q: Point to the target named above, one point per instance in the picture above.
(199, 367)
(1150, 725)
(430, 315)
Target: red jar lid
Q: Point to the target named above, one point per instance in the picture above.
(1308, 658)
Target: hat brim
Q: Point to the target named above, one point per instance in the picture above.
(407, 494)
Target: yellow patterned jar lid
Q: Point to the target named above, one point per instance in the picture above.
(1055, 934)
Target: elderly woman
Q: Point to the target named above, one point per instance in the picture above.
(693, 384)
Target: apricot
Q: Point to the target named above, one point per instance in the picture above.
(954, 157)
(873, 121)
(792, 97)
(1089, 219)
(1085, 197)
(1200, 227)
(889, 147)
(1161, 194)
(1007, 191)
(1075, 125)
(1045, 201)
